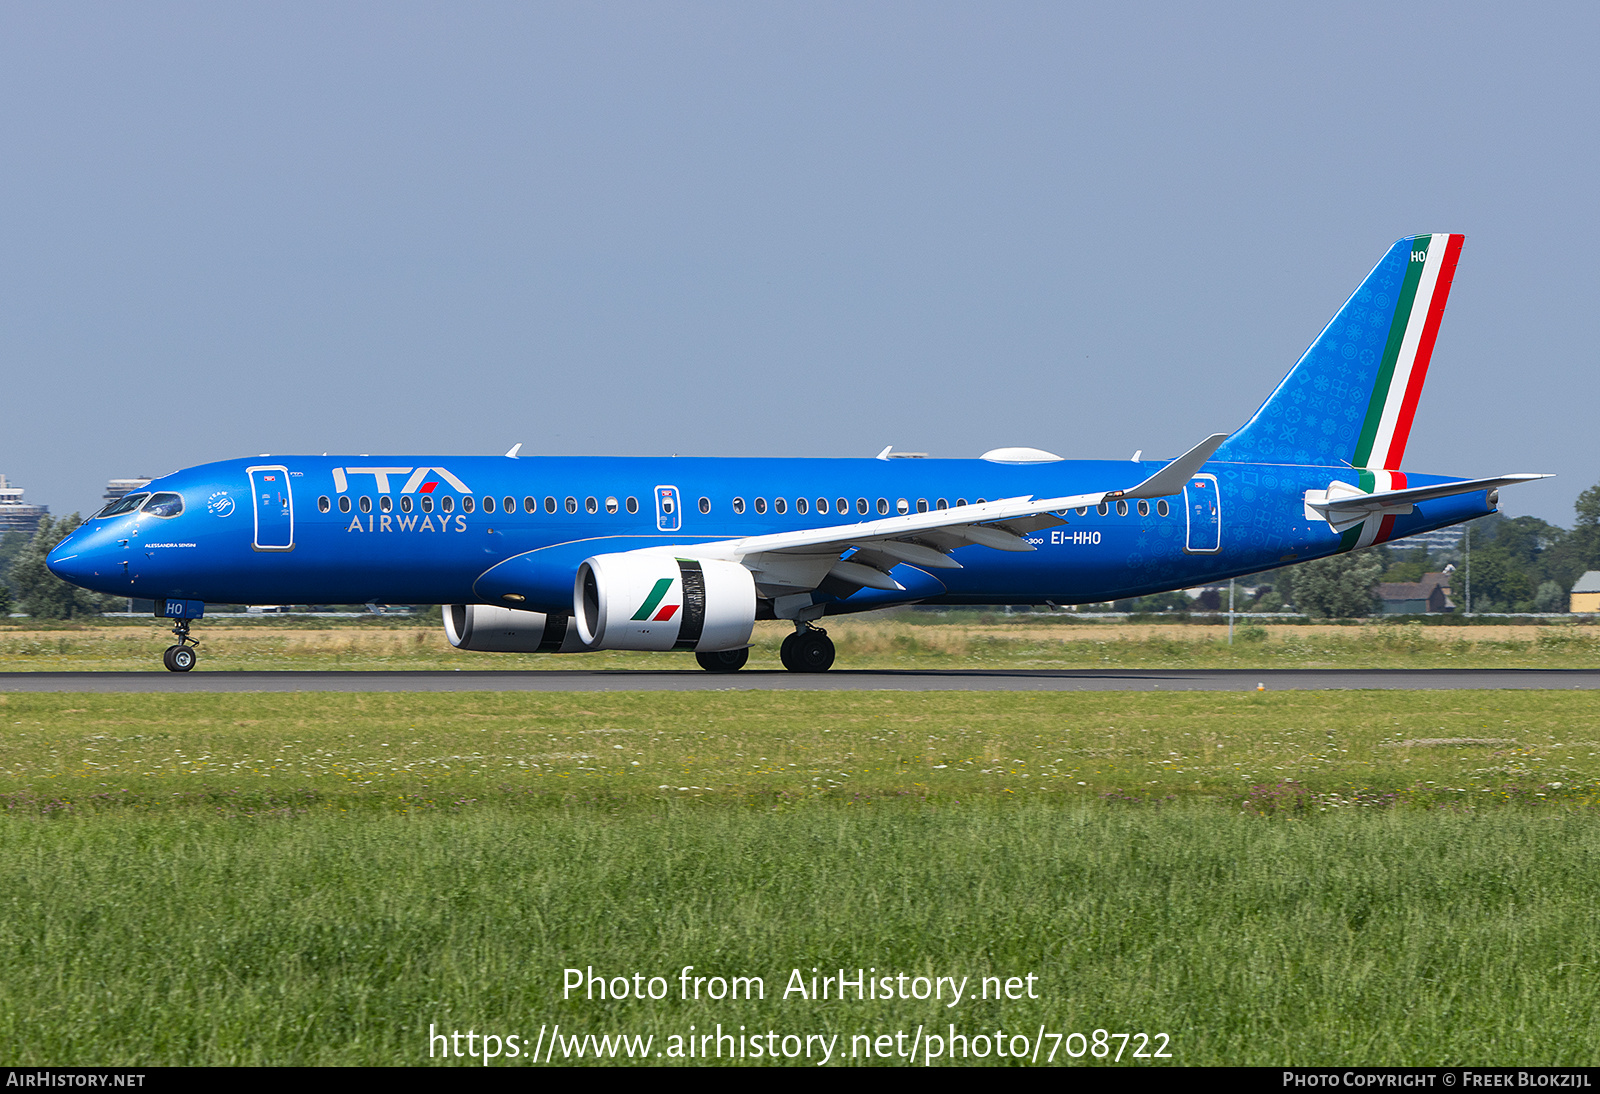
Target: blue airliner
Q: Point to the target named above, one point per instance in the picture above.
(574, 555)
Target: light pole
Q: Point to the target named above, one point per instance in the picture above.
(1230, 611)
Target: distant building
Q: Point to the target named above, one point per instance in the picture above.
(118, 487)
(1586, 593)
(1430, 596)
(1440, 540)
(15, 514)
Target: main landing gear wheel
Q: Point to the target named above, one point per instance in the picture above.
(723, 660)
(179, 658)
(810, 650)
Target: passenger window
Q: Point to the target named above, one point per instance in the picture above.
(488, 504)
(386, 503)
(922, 505)
(550, 505)
(366, 504)
(572, 505)
(447, 503)
(427, 503)
(705, 505)
(467, 504)
(761, 505)
(844, 506)
(779, 506)
(861, 506)
(590, 505)
(344, 503)
(611, 505)
(405, 503)
(633, 505)
(902, 506)
(960, 502)
(1102, 509)
(1122, 508)
(530, 505)
(324, 505)
(822, 505)
(1144, 508)
(800, 506)
(738, 505)
(941, 504)
(1083, 510)
(1162, 509)
(510, 505)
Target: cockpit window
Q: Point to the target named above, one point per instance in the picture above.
(125, 504)
(164, 505)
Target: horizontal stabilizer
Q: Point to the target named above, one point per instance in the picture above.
(1344, 506)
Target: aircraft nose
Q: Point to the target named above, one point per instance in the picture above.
(70, 560)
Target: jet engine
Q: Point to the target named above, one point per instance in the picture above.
(488, 628)
(649, 600)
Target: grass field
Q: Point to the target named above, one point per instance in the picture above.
(1312, 878)
(904, 640)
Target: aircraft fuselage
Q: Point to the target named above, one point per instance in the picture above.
(359, 529)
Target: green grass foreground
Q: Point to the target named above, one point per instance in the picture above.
(1316, 878)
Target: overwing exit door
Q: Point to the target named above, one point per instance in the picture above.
(669, 514)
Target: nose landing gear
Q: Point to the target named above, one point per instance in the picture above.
(182, 657)
(808, 649)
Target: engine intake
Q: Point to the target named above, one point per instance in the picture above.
(489, 628)
(648, 600)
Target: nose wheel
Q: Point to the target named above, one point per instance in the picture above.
(182, 657)
(808, 649)
(178, 658)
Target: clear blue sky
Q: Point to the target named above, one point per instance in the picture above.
(774, 229)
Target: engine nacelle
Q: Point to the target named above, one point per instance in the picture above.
(489, 628)
(649, 600)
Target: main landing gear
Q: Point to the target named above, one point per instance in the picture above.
(182, 657)
(723, 660)
(808, 649)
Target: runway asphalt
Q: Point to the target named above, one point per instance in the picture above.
(837, 680)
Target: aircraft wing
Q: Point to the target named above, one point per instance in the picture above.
(1344, 506)
(802, 560)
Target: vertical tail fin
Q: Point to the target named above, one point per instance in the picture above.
(1351, 397)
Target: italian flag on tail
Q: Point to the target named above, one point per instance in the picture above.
(1404, 366)
(1373, 529)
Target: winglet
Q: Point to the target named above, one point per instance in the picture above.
(888, 448)
(1171, 478)
(514, 450)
